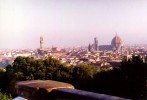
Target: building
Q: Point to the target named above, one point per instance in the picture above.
(89, 47)
(42, 50)
(55, 49)
(95, 44)
(105, 47)
(116, 44)
(41, 42)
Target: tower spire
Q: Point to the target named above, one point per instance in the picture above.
(89, 47)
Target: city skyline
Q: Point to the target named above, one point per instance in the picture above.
(71, 23)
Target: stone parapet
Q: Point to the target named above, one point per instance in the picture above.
(54, 90)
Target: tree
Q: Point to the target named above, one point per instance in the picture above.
(128, 81)
(4, 96)
(82, 76)
(134, 74)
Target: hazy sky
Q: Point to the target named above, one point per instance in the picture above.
(71, 22)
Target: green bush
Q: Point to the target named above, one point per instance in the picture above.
(4, 96)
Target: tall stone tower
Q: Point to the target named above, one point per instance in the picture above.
(95, 44)
(41, 42)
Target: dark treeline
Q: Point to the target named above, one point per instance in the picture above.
(128, 81)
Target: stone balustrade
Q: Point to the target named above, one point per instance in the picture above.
(53, 90)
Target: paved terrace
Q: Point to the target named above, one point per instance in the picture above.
(53, 90)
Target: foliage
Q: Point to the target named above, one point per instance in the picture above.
(134, 74)
(127, 81)
(2, 69)
(4, 96)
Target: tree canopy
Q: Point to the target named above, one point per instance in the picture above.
(128, 81)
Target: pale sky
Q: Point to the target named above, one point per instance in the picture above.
(71, 23)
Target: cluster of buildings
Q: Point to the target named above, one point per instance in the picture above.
(8, 56)
(94, 54)
(116, 44)
(99, 55)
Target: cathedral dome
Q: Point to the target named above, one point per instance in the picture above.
(116, 40)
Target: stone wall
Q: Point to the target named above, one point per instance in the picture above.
(53, 90)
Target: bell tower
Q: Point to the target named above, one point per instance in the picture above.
(41, 42)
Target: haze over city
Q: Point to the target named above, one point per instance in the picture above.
(70, 23)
